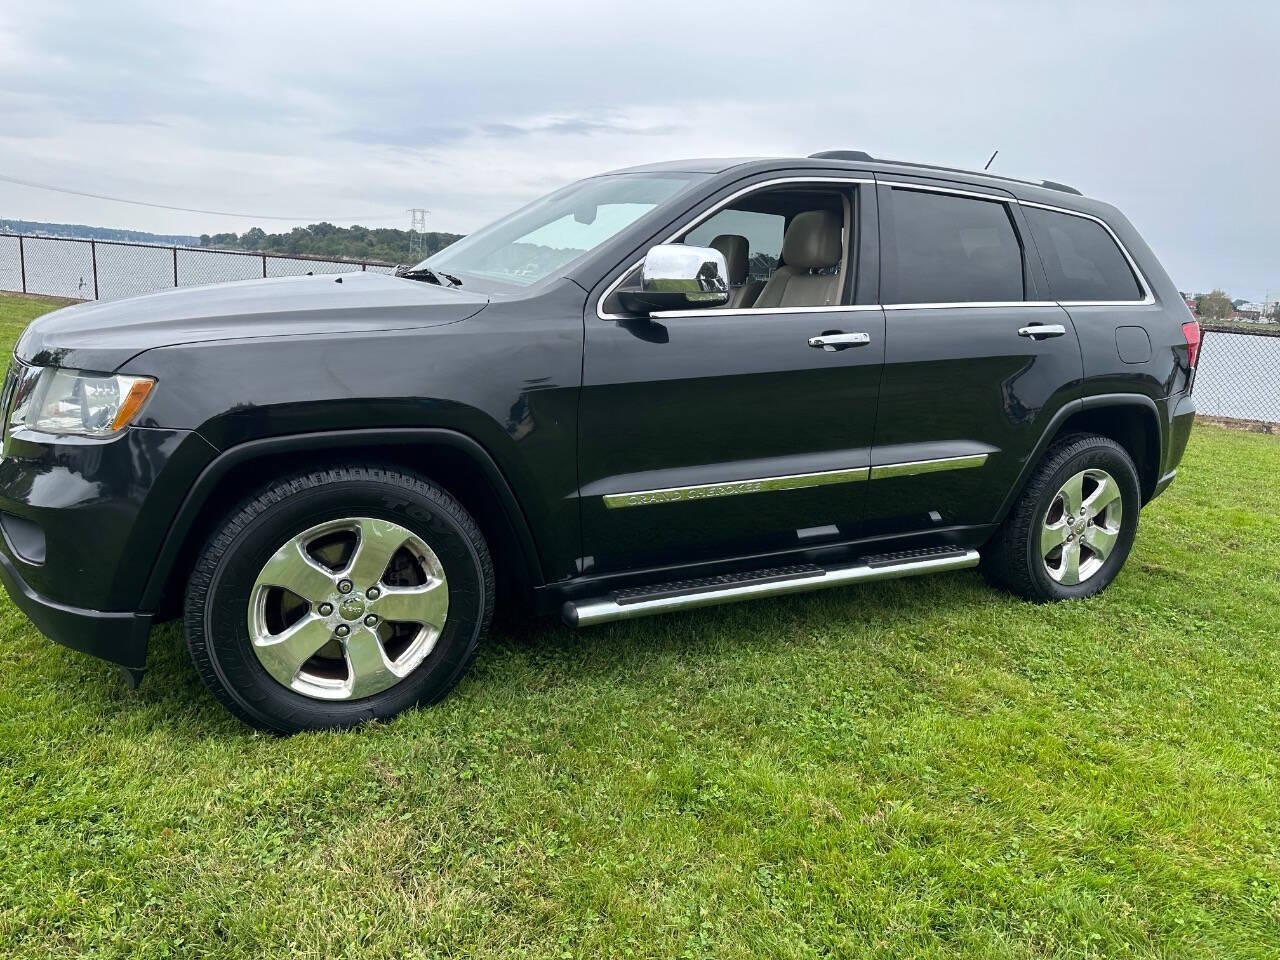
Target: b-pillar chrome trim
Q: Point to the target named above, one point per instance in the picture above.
(796, 481)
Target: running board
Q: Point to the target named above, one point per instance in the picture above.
(771, 582)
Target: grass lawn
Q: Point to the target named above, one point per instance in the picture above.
(921, 768)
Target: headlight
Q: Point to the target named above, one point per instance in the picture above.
(53, 400)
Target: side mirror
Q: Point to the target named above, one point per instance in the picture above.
(679, 277)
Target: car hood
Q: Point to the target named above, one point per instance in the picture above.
(101, 336)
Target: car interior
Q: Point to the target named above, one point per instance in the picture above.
(743, 288)
(782, 248)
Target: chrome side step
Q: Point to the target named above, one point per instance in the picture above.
(772, 582)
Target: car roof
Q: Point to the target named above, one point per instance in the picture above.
(699, 165)
(851, 159)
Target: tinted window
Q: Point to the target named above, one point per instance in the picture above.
(1081, 259)
(942, 248)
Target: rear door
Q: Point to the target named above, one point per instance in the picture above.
(978, 359)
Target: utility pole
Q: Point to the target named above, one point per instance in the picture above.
(417, 227)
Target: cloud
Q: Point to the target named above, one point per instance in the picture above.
(576, 126)
(471, 109)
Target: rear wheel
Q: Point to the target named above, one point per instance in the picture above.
(1072, 527)
(337, 596)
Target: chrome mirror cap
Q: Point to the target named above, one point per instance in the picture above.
(676, 276)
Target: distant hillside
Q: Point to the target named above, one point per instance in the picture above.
(327, 240)
(317, 240)
(41, 229)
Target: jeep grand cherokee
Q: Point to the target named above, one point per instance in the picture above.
(666, 387)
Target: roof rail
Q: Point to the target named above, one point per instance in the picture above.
(864, 157)
(841, 155)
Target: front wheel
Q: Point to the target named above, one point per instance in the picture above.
(337, 596)
(1072, 527)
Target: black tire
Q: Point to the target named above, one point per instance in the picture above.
(1012, 559)
(222, 580)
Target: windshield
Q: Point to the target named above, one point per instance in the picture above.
(549, 234)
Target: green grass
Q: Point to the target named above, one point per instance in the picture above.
(921, 768)
(16, 312)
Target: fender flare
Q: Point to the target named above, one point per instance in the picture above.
(213, 474)
(1095, 402)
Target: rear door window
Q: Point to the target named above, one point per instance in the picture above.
(1080, 258)
(945, 248)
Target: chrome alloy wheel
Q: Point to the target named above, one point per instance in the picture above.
(1081, 526)
(348, 608)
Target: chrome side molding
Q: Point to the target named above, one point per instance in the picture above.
(939, 465)
(796, 481)
(732, 488)
(628, 606)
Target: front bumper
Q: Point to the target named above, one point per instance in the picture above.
(118, 637)
(81, 525)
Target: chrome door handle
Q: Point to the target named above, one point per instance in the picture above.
(833, 341)
(1042, 331)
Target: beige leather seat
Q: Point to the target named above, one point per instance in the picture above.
(812, 242)
(743, 290)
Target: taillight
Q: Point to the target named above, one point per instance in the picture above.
(1191, 330)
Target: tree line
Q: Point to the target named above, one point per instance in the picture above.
(1217, 305)
(327, 240)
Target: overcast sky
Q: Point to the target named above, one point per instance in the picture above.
(328, 111)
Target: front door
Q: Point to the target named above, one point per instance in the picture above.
(724, 433)
(977, 362)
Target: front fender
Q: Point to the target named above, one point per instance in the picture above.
(188, 516)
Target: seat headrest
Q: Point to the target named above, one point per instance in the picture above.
(736, 250)
(812, 240)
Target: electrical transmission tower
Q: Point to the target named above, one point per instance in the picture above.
(417, 227)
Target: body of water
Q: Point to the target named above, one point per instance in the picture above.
(62, 268)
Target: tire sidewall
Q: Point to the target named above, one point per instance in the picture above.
(224, 617)
(1103, 455)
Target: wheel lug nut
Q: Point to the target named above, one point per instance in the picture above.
(326, 609)
(373, 593)
(371, 621)
(342, 630)
(344, 586)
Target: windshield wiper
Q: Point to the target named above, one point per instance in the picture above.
(428, 275)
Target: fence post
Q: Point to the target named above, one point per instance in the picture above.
(93, 252)
(175, 266)
(363, 267)
(264, 266)
(22, 263)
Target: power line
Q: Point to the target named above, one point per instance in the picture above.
(165, 206)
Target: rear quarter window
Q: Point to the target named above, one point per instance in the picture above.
(1080, 258)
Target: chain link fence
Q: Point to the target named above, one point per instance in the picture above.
(1238, 377)
(110, 270)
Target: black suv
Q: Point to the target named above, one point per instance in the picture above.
(666, 387)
